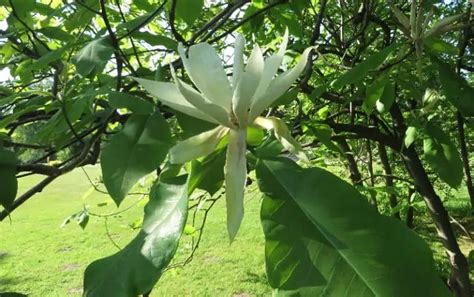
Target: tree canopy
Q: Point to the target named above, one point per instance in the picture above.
(383, 88)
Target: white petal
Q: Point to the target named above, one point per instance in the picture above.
(278, 86)
(197, 146)
(192, 96)
(245, 90)
(238, 60)
(204, 67)
(271, 66)
(282, 133)
(169, 95)
(235, 171)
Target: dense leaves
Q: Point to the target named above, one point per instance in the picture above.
(383, 99)
(324, 239)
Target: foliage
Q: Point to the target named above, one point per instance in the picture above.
(376, 83)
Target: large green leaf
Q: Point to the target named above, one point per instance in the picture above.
(134, 152)
(208, 174)
(91, 59)
(360, 71)
(135, 104)
(136, 268)
(442, 155)
(456, 90)
(324, 239)
(374, 93)
(8, 182)
(189, 10)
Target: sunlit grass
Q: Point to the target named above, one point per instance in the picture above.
(39, 258)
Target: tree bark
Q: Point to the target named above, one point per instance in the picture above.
(410, 218)
(392, 198)
(465, 158)
(459, 281)
(354, 172)
(370, 168)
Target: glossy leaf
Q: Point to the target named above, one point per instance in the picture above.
(441, 153)
(456, 90)
(324, 239)
(410, 136)
(189, 10)
(8, 181)
(374, 93)
(360, 71)
(208, 174)
(135, 104)
(91, 59)
(134, 152)
(384, 103)
(136, 268)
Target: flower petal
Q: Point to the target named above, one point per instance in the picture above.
(195, 98)
(278, 86)
(197, 146)
(205, 69)
(271, 66)
(235, 171)
(169, 95)
(243, 93)
(282, 133)
(238, 60)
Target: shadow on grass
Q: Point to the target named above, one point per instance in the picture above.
(4, 281)
(256, 278)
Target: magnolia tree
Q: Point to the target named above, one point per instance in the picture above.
(172, 89)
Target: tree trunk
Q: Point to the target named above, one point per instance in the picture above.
(459, 282)
(392, 198)
(465, 158)
(410, 217)
(370, 168)
(354, 172)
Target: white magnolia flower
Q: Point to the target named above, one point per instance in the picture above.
(233, 105)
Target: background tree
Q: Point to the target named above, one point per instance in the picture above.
(387, 90)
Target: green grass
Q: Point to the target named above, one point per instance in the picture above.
(39, 258)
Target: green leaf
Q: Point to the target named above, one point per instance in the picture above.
(324, 239)
(192, 126)
(374, 93)
(135, 104)
(134, 152)
(208, 174)
(136, 268)
(456, 90)
(156, 40)
(323, 133)
(46, 59)
(441, 153)
(440, 46)
(360, 71)
(92, 58)
(254, 136)
(189, 10)
(8, 181)
(410, 136)
(286, 98)
(387, 98)
(56, 33)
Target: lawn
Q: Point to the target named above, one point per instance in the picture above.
(40, 258)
